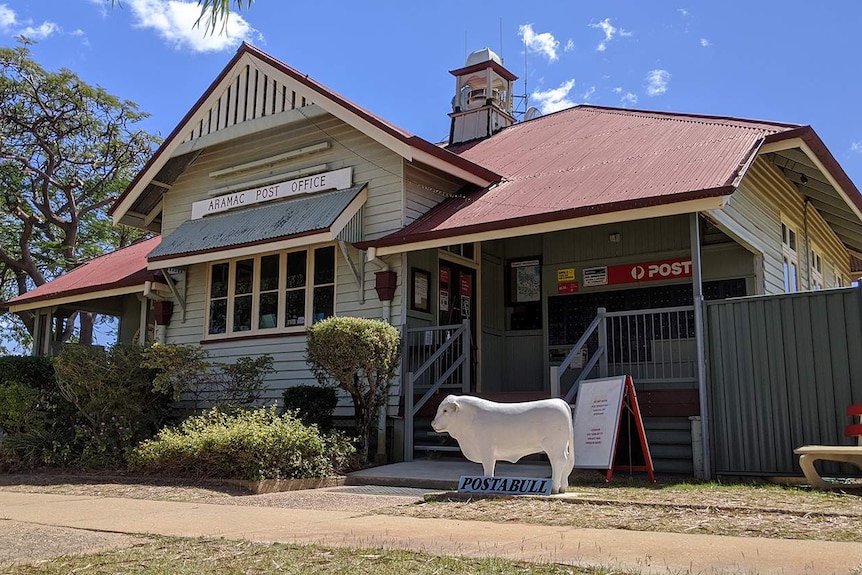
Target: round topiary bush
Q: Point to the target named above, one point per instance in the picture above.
(247, 444)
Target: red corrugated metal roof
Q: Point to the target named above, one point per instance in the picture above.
(122, 268)
(588, 160)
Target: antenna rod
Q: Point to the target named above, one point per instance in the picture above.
(526, 92)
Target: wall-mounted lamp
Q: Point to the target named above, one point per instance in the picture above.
(803, 178)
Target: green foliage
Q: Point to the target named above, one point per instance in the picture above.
(185, 371)
(66, 148)
(115, 403)
(30, 371)
(178, 368)
(362, 357)
(246, 444)
(19, 408)
(313, 404)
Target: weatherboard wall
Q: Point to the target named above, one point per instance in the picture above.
(753, 216)
(383, 213)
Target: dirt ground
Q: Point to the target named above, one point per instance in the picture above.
(17, 539)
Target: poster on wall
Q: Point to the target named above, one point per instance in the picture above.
(525, 281)
(465, 307)
(595, 276)
(421, 281)
(444, 289)
(597, 416)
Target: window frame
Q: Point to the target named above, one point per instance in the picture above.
(790, 257)
(281, 290)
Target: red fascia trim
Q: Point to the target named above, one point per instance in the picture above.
(409, 238)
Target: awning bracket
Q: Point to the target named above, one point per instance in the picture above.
(358, 272)
(172, 285)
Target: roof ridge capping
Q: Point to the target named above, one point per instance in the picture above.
(750, 123)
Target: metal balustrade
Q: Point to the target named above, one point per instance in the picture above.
(656, 346)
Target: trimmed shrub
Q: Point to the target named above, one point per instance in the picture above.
(247, 444)
(313, 404)
(360, 356)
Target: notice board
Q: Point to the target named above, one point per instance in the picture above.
(597, 421)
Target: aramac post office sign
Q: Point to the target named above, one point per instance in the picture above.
(334, 180)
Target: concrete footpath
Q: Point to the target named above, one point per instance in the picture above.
(640, 551)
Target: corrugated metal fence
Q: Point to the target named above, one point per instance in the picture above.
(782, 371)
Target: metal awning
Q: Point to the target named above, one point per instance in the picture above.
(273, 226)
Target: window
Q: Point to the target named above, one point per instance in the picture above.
(791, 259)
(271, 293)
(816, 263)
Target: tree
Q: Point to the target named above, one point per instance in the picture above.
(66, 150)
(361, 356)
(214, 12)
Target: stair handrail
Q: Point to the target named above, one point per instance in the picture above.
(411, 407)
(556, 370)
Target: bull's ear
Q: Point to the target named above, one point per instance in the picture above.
(456, 405)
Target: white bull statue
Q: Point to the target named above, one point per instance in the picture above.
(488, 431)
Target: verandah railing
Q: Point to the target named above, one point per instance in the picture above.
(656, 346)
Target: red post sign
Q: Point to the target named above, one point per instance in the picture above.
(650, 271)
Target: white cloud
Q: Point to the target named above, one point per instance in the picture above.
(682, 11)
(705, 43)
(610, 31)
(629, 99)
(589, 93)
(618, 90)
(570, 45)
(555, 99)
(7, 17)
(103, 6)
(9, 22)
(82, 35)
(39, 32)
(657, 81)
(543, 43)
(856, 146)
(174, 21)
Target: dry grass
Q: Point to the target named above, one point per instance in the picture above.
(168, 556)
(743, 510)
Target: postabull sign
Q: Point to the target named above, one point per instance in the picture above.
(335, 180)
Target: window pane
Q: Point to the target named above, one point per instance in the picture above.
(294, 313)
(218, 281)
(324, 298)
(218, 316)
(269, 272)
(792, 242)
(268, 311)
(794, 286)
(296, 269)
(783, 234)
(242, 313)
(324, 266)
(244, 277)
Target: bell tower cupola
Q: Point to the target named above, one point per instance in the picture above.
(482, 105)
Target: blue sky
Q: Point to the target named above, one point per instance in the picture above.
(791, 61)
